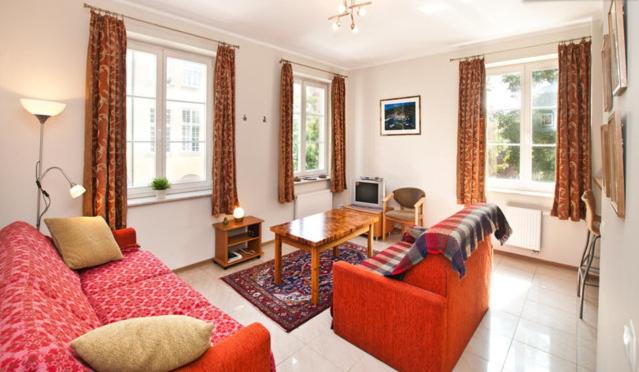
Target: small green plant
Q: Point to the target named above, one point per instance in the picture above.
(160, 183)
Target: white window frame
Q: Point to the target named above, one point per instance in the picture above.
(162, 53)
(525, 182)
(318, 83)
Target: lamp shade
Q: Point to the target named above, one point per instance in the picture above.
(238, 214)
(76, 191)
(41, 107)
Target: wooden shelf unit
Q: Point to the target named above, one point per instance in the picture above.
(246, 235)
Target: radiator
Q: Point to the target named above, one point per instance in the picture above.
(313, 202)
(526, 225)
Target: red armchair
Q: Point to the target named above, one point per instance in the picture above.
(422, 323)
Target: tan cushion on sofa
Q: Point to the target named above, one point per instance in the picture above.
(159, 343)
(83, 241)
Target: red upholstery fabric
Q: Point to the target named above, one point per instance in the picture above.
(136, 266)
(126, 239)
(44, 307)
(422, 323)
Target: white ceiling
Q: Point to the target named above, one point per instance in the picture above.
(391, 29)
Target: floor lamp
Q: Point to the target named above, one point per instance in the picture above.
(43, 110)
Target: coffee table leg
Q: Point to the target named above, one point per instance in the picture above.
(371, 229)
(278, 260)
(315, 276)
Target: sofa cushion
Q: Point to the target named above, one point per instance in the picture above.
(83, 241)
(137, 265)
(161, 295)
(155, 344)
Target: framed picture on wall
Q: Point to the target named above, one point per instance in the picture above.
(617, 180)
(617, 33)
(605, 159)
(400, 116)
(605, 64)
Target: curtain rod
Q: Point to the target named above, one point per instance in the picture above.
(159, 25)
(314, 68)
(519, 48)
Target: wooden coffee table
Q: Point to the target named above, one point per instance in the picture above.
(318, 233)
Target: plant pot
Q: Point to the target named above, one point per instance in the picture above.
(160, 194)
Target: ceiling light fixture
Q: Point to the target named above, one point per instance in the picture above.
(350, 9)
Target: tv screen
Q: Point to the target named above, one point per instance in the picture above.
(367, 192)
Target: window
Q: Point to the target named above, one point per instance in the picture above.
(521, 130)
(310, 131)
(151, 135)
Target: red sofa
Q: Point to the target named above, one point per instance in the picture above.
(45, 305)
(422, 323)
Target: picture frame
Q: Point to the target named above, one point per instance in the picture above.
(607, 69)
(617, 34)
(617, 180)
(400, 116)
(605, 159)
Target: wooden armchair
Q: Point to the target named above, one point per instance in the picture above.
(411, 208)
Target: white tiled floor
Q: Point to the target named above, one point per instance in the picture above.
(533, 323)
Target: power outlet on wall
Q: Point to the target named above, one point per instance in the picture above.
(630, 344)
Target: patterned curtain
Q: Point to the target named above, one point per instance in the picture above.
(573, 131)
(338, 107)
(471, 132)
(285, 187)
(224, 198)
(105, 176)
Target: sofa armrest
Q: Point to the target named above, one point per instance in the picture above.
(126, 238)
(248, 350)
(400, 324)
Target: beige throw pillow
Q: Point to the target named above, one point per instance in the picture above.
(160, 343)
(83, 241)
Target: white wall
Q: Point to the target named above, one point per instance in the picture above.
(428, 161)
(43, 54)
(619, 283)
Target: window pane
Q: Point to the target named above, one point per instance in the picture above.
(503, 101)
(297, 97)
(141, 108)
(544, 88)
(543, 166)
(297, 138)
(314, 142)
(143, 162)
(187, 166)
(143, 73)
(185, 80)
(503, 161)
(544, 126)
(315, 100)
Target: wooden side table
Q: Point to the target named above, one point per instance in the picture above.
(377, 233)
(243, 237)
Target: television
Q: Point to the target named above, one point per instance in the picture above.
(368, 192)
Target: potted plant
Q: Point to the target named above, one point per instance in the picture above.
(160, 185)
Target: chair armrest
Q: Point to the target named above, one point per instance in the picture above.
(247, 350)
(420, 202)
(126, 238)
(400, 324)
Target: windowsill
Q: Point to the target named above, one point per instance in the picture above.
(149, 200)
(537, 194)
(303, 181)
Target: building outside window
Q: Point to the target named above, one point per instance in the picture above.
(521, 128)
(156, 83)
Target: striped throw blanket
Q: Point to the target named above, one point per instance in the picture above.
(455, 237)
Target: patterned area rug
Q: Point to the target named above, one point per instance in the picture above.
(289, 304)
